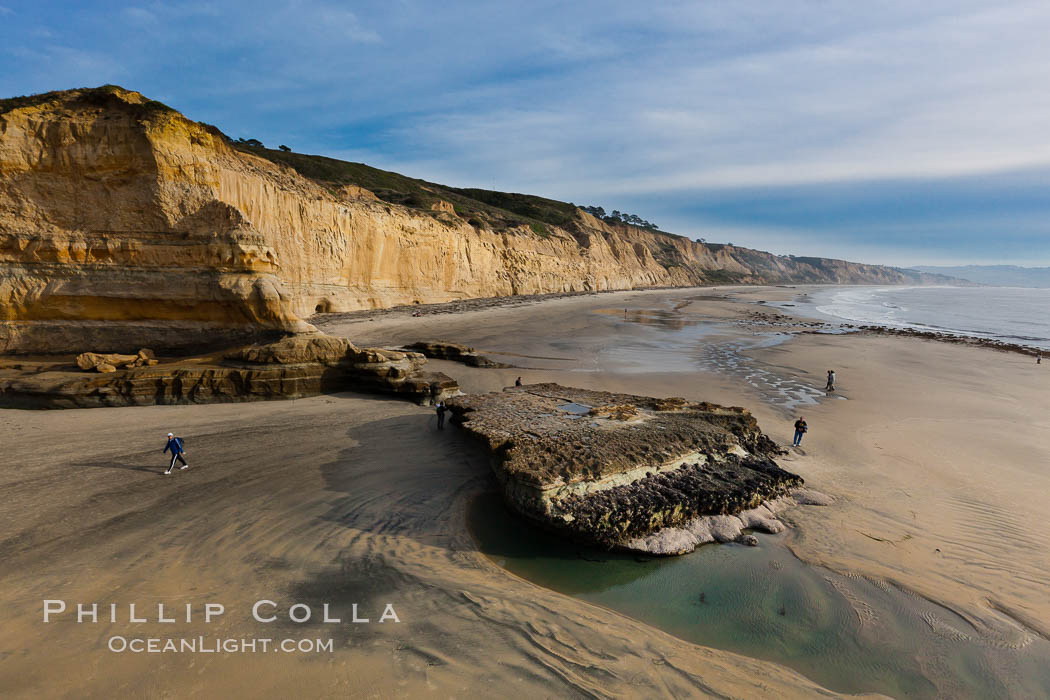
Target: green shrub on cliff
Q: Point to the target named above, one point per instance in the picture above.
(103, 96)
(499, 211)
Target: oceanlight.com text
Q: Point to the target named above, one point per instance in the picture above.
(213, 645)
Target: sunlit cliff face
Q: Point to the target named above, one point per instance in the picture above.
(141, 227)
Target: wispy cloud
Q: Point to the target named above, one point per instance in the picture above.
(139, 15)
(660, 106)
(342, 23)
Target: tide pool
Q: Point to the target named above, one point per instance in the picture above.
(849, 633)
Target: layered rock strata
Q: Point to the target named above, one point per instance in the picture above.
(613, 469)
(124, 224)
(291, 368)
(454, 352)
(726, 528)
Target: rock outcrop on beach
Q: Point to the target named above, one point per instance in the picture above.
(304, 365)
(124, 224)
(614, 469)
(953, 338)
(454, 352)
(109, 362)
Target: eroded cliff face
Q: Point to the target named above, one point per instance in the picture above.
(123, 224)
(107, 237)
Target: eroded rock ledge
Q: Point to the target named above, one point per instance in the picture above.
(294, 367)
(613, 469)
(440, 350)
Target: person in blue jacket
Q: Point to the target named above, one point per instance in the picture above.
(175, 445)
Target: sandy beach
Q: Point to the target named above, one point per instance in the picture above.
(934, 454)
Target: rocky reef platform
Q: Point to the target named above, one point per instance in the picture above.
(617, 470)
(953, 338)
(293, 367)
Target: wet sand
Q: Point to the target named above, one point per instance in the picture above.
(355, 499)
(939, 457)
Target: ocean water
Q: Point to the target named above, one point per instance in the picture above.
(1010, 314)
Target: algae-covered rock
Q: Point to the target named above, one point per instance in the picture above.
(613, 468)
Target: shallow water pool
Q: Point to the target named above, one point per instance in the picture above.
(848, 633)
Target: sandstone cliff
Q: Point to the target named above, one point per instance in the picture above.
(124, 224)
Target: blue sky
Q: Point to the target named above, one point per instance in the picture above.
(891, 132)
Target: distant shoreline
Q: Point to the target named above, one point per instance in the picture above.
(482, 303)
(486, 303)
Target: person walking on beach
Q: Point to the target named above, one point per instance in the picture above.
(800, 430)
(177, 452)
(831, 381)
(441, 415)
(517, 382)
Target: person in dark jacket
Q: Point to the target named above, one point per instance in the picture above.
(441, 415)
(517, 382)
(800, 430)
(831, 381)
(177, 452)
